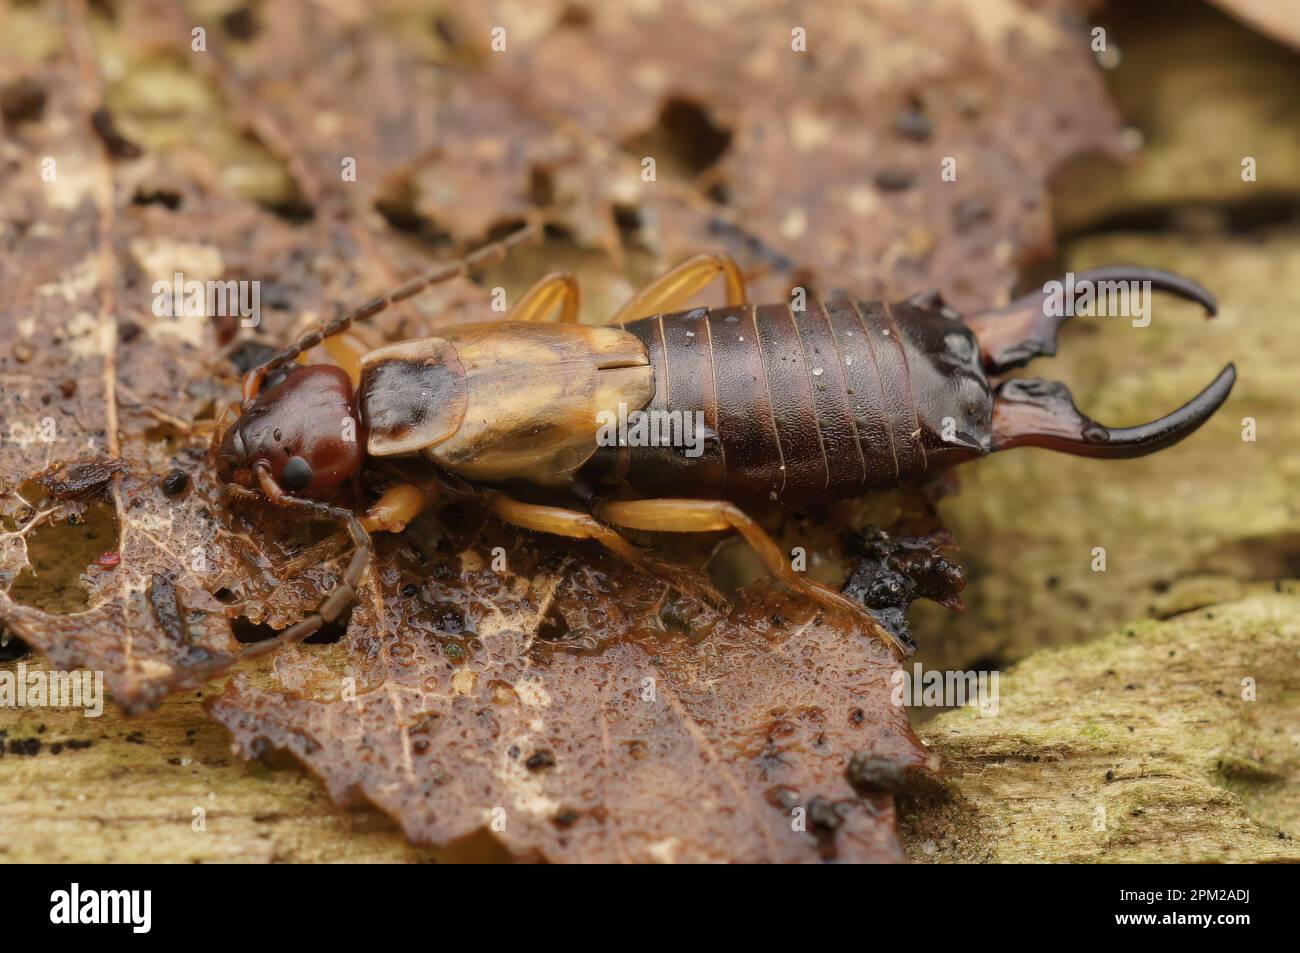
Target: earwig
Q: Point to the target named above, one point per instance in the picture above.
(841, 399)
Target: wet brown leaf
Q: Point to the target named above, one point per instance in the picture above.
(90, 372)
(454, 713)
(524, 690)
(905, 149)
(831, 161)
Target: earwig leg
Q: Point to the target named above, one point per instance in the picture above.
(558, 288)
(395, 508)
(224, 420)
(486, 255)
(252, 383)
(346, 351)
(345, 591)
(706, 516)
(577, 525)
(347, 348)
(676, 287)
(1012, 336)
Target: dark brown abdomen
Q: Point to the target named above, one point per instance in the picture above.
(798, 408)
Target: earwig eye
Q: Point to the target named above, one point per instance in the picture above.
(296, 475)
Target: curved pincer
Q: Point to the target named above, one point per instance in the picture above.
(1012, 336)
(1038, 413)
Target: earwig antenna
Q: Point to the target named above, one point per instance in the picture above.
(486, 255)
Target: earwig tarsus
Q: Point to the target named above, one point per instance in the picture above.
(843, 398)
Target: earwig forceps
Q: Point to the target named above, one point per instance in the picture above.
(1039, 413)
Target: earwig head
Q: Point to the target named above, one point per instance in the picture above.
(303, 430)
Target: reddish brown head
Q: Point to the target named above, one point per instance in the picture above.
(304, 431)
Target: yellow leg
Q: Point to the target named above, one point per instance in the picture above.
(704, 516)
(346, 350)
(397, 507)
(676, 287)
(577, 525)
(558, 288)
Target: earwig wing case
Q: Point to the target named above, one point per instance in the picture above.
(413, 395)
(535, 394)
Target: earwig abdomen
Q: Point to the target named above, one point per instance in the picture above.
(798, 408)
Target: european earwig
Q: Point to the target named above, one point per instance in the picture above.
(843, 398)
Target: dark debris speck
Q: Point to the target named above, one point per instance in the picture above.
(868, 772)
(540, 760)
(824, 816)
(175, 482)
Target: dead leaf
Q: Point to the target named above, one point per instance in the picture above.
(904, 149)
(527, 688)
(454, 714)
(92, 369)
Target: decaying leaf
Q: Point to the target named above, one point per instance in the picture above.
(472, 703)
(560, 703)
(867, 147)
(94, 373)
(873, 147)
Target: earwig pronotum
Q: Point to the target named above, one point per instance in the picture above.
(844, 398)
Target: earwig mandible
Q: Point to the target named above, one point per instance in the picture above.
(844, 398)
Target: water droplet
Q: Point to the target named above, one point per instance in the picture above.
(818, 372)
